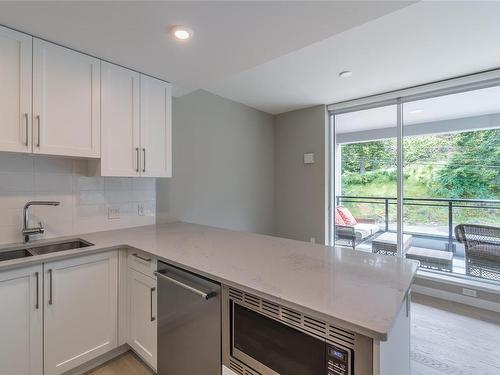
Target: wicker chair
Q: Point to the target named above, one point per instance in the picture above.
(482, 249)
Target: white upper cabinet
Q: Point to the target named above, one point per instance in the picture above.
(120, 149)
(136, 127)
(66, 101)
(56, 101)
(15, 91)
(156, 127)
(21, 321)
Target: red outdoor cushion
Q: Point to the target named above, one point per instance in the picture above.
(338, 219)
(346, 216)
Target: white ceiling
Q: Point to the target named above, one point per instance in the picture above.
(462, 105)
(277, 56)
(229, 37)
(421, 43)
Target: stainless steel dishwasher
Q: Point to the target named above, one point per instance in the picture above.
(189, 323)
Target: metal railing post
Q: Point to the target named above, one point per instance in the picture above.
(450, 226)
(386, 214)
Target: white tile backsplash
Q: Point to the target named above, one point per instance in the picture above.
(84, 199)
(16, 182)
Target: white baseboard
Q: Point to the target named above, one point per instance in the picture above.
(454, 297)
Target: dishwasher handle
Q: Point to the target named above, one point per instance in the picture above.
(205, 296)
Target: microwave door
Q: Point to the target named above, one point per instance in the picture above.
(274, 348)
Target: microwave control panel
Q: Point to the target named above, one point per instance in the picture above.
(337, 361)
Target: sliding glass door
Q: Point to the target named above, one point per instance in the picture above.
(365, 177)
(419, 176)
(451, 170)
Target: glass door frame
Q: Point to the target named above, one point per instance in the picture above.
(398, 98)
(332, 164)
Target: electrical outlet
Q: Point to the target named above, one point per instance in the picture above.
(469, 292)
(113, 212)
(140, 209)
(312, 240)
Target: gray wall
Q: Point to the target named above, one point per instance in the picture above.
(222, 165)
(299, 196)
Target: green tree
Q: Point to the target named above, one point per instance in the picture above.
(368, 156)
(473, 170)
(426, 149)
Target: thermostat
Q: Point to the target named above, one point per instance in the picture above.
(309, 158)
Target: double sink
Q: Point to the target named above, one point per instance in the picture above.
(29, 250)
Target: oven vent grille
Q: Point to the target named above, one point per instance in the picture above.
(241, 369)
(236, 295)
(294, 318)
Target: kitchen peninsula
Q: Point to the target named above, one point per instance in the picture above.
(362, 294)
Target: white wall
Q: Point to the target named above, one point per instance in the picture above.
(299, 195)
(222, 165)
(84, 200)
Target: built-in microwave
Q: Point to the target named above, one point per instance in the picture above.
(265, 338)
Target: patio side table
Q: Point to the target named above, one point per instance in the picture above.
(434, 259)
(386, 243)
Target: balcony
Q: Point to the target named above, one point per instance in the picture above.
(428, 236)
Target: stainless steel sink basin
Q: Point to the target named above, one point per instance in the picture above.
(14, 254)
(60, 246)
(28, 250)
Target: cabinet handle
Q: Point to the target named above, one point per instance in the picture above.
(137, 157)
(142, 258)
(144, 159)
(38, 131)
(50, 287)
(26, 129)
(152, 317)
(37, 283)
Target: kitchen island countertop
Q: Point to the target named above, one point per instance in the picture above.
(356, 290)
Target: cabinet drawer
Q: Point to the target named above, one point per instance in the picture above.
(142, 262)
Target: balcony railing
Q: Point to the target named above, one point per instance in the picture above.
(449, 204)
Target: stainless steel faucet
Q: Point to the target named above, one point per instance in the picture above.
(27, 231)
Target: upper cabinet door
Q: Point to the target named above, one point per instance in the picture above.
(66, 101)
(156, 128)
(120, 150)
(15, 91)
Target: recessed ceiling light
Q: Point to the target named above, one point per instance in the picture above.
(345, 74)
(415, 111)
(181, 32)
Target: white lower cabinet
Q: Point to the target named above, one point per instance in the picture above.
(142, 316)
(21, 321)
(57, 316)
(80, 310)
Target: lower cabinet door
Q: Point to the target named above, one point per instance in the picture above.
(81, 315)
(142, 316)
(21, 321)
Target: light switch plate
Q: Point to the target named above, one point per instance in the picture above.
(309, 158)
(113, 212)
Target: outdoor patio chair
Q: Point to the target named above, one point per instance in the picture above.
(355, 231)
(482, 249)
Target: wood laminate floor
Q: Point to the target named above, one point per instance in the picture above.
(126, 364)
(453, 339)
(447, 339)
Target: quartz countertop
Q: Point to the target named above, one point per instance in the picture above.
(356, 290)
